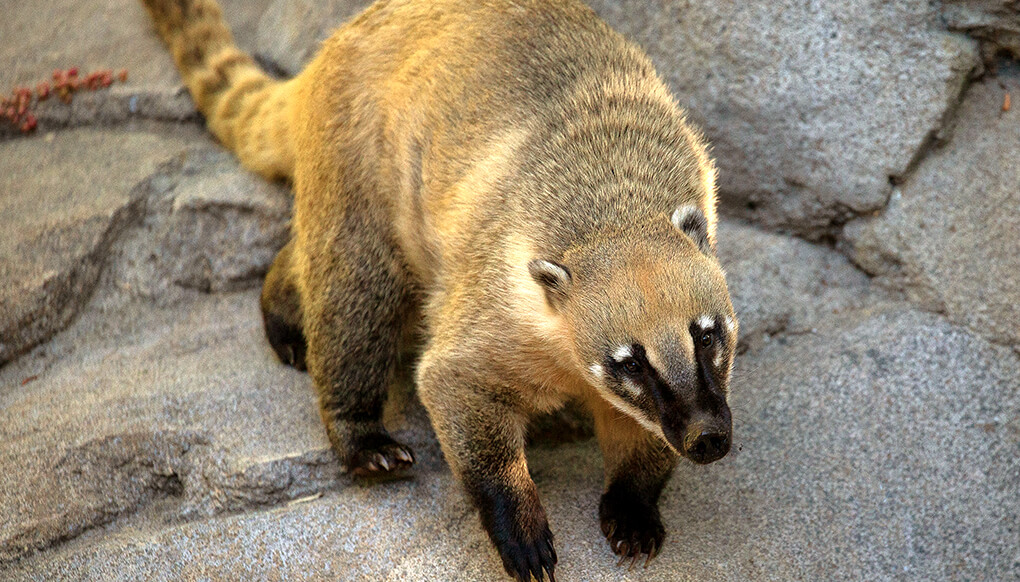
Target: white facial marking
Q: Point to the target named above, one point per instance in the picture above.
(680, 215)
(624, 407)
(718, 359)
(730, 324)
(705, 322)
(622, 353)
(596, 370)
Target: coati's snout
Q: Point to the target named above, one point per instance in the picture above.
(703, 439)
(684, 394)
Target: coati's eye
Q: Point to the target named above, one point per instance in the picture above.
(631, 367)
(706, 340)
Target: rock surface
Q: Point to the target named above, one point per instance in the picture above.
(995, 22)
(949, 237)
(877, 419)
(850, 463)
(811, 108)
(65, 199)
(783, 285)
(204, 222)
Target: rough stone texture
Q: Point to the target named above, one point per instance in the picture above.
(810, 107)
(785, 285)
(205, 223)
(157, 438)
(102, 34)
(217, 227)
(996, 22)
(882, 449)
(63, 200)
(186, 403)
(950, 235)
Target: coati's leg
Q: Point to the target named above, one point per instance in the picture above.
(637, 466)
(482, 435)
(355, 296)
(281, 310)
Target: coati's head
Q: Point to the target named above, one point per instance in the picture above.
(651, 322)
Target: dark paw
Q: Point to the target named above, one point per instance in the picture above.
(288, 341)
(383, 459)
(527, 558)
(632, 529)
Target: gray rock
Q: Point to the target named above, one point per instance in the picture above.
(949, 235)
(202, 222)
(996, 22)
(880, 450)
(783, 285)
(290, 31)
(216, 227)
(102, 34)
(63, 200)
(185, 405)
(810, 107)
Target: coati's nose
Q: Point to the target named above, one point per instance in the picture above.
(703, 445)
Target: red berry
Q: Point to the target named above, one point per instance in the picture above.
(122, 75)
(30, 123)
(72, 72)
(42, 90)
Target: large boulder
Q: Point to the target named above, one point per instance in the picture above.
(811, 108)
(949, 237)
(63, 201)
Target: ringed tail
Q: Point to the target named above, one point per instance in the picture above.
(248, 111)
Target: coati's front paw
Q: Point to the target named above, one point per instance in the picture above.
(380, 457)
(631, 528)
(525, 556)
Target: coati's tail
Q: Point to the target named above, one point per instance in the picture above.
(247, 110)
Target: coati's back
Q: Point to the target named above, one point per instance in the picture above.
(504, 112)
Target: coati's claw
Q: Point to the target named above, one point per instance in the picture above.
(608, 527)
(383, 460)
(654, 551)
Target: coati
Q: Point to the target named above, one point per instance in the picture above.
(512, 177)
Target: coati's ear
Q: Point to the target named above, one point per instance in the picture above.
(554, 278)
(692, 222)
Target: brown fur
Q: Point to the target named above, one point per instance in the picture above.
(437, 149)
